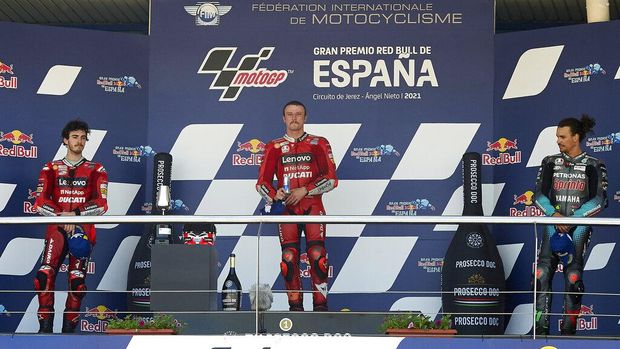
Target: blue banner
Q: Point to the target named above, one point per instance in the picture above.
(49, 76)
(541, 78)
(401, 91)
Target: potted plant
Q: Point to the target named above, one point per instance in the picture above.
(417, 324)
(158, 324)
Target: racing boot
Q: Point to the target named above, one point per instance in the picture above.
(569, 323)
(320, 307)
(542, 323)
(295, 306)
(68, 326)
(46, 325)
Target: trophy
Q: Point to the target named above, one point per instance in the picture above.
(163, 231)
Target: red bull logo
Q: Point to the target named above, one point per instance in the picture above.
(585, 310)
(584, 324)
(99, 327)
(526, 199)
(10, 82)
(255, 147)
(502, 145)
(100, 312)
(90, 268)
(501, 159)
(29, 206)
(17, 138)
(6, 69)
(305, 271)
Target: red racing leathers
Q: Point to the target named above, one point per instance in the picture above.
(308, 162)
(63, 187)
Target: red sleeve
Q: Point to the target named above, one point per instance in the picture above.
(44, 203)
(97, 204)
(264, 185)
(327, 179)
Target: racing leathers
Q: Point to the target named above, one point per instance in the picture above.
(65, 187)
(307, 162)
(573, 187)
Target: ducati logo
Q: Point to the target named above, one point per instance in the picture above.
(232, 80)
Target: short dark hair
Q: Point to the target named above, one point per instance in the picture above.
(294, 103)
(580, 127)
(74, 125)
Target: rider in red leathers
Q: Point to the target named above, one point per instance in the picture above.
(308, 163)
(72, 186)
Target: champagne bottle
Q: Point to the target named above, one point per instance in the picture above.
(231, 291)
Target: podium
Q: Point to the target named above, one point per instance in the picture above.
(180, 268)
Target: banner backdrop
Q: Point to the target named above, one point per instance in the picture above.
(401, 91)
(49, 76)
(542, 77)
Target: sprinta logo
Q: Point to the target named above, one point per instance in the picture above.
(207, 13)
(233, 79)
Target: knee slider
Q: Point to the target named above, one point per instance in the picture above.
(318, 260)
(43, 278)
(77, 283)
(577, 289)
(290, 257)
(540, 274)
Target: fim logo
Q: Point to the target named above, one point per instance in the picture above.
(10, 82)
(255, 147)
(232, 80)
(582, 323)
(100, 313)
(409, 208)
(374, 154)
(529, 210)
(207, 13)
(502, 145)
(17, 138)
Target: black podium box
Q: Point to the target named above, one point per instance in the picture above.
(189, 268)
(283, 322)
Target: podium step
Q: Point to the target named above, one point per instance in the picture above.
(283, 322)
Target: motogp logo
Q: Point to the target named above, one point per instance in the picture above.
(233, 79)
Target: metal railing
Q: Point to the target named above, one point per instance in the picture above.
(361, 219)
